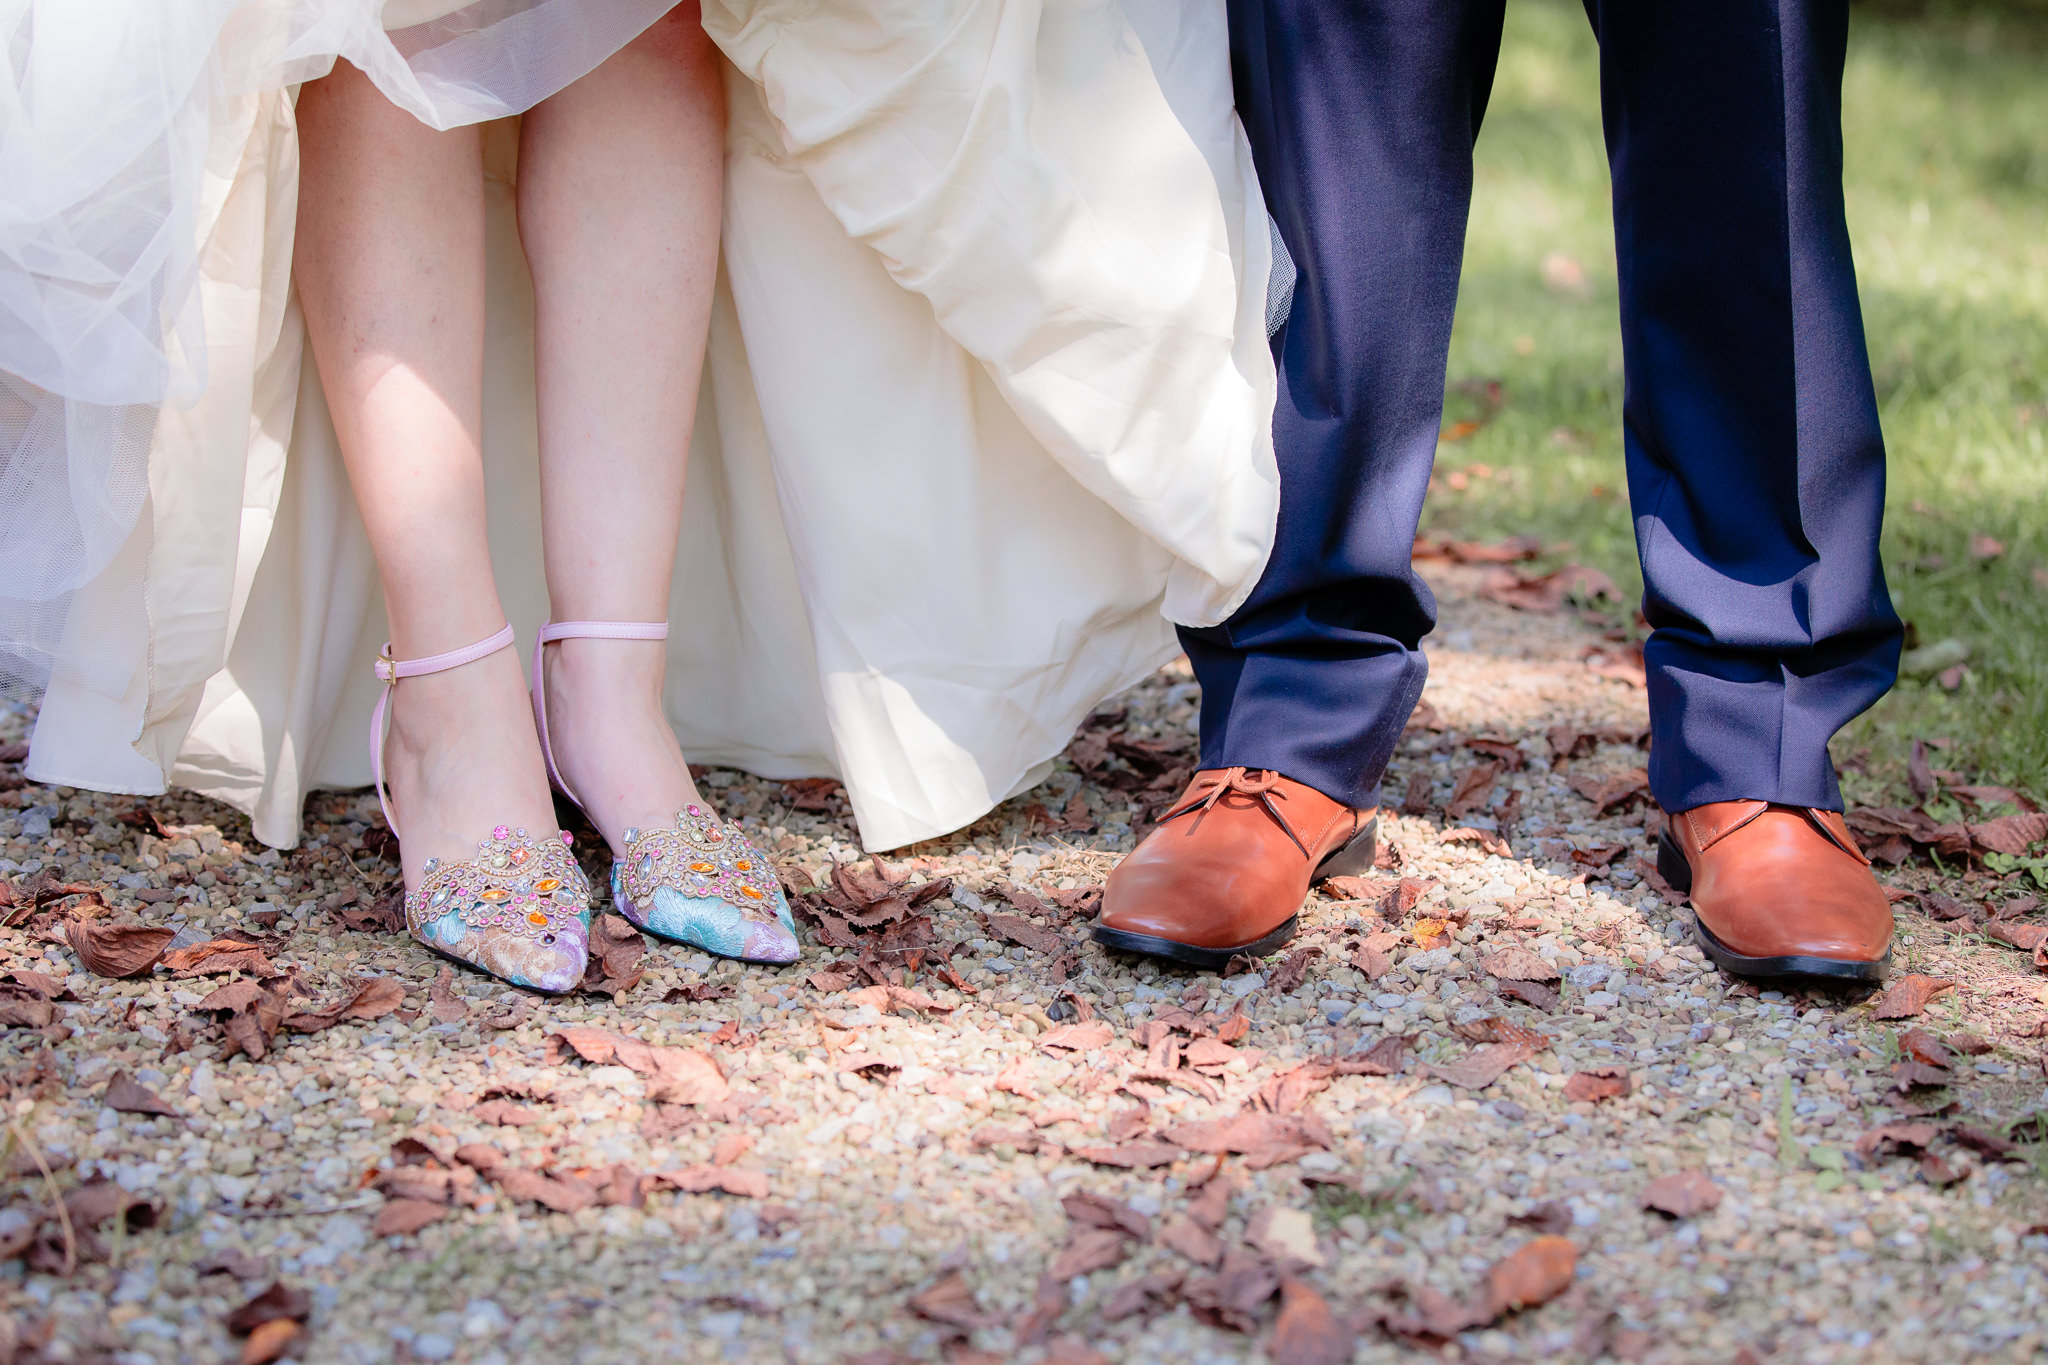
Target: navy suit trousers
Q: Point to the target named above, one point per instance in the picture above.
(1755, 464)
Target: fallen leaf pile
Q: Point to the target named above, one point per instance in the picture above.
(616, 948)
(881, 917)
(1894, 834)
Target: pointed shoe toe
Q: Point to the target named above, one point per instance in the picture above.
(519, 910)
(703, 883)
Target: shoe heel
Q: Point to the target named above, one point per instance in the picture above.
(1671, 864)
(1355, 859)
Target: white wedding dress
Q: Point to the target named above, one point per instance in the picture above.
(986, 409)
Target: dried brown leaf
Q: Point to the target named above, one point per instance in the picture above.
(124, 1095)
(511, 1017)
(2013, 835)
(504, 1114)
(1482, 1066)
(1249, 1133)
(949, 1300)
(1475, 786)
(1612, 790)
(1293, 970)
(1077, 1037)
(443, 1003)
(269, 1341)
(1596, 1084)
(2025, 937)
(1307, 1332)
(1892, 1138)
(1909, 996)
(1516, 963)
(1087, 1250)
(372, 997)
(741, 1181)
(1532, 1274)
(1489, 841)
(675, 1075)
(1139, 1155)
(1922, 1046)
(31, 1013)
(403, 1217)
(1147, 1295)
(1183, 1234)
(217, 956)
(1085, 1209)
(117, 950)
(1531, 993)
(1233, 1297)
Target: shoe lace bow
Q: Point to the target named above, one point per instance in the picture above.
(1257, 784)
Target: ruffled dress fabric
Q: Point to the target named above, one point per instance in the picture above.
(986, 407)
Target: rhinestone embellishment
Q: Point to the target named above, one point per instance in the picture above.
(521, 886)
(700, 856)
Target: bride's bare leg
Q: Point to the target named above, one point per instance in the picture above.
(619, 203)
(390, 272)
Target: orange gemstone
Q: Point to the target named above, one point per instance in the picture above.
(750, 893)
(547, 884)
(536, 919)
(744, 866)
(496, 894)
(702, 867)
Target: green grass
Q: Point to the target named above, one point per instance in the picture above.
(1945, 108)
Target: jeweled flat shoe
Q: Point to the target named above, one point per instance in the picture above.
(520, 909)
(703, 882)
(700, 882)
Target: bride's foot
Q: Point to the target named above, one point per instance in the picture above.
(488, 877)
(679, 871)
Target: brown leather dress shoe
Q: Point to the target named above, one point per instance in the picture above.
(1228, 867)
(1778, 890)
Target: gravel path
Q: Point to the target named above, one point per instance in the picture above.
(968, 1135)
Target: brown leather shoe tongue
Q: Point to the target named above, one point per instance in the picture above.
(1711, 829)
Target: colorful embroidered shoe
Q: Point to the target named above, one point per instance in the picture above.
(520, 909)
(701, 882)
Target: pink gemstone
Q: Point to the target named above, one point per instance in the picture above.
(501, 832)
(694, 811)
(565, 837)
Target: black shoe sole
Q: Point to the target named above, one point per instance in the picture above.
(1672, 866)
(1354, 858)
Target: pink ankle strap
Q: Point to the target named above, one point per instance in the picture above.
(600, 630)
(577, 630)
(390, 670)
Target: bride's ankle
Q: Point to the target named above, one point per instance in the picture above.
(607, 672)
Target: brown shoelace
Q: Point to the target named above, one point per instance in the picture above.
(1257, 783)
